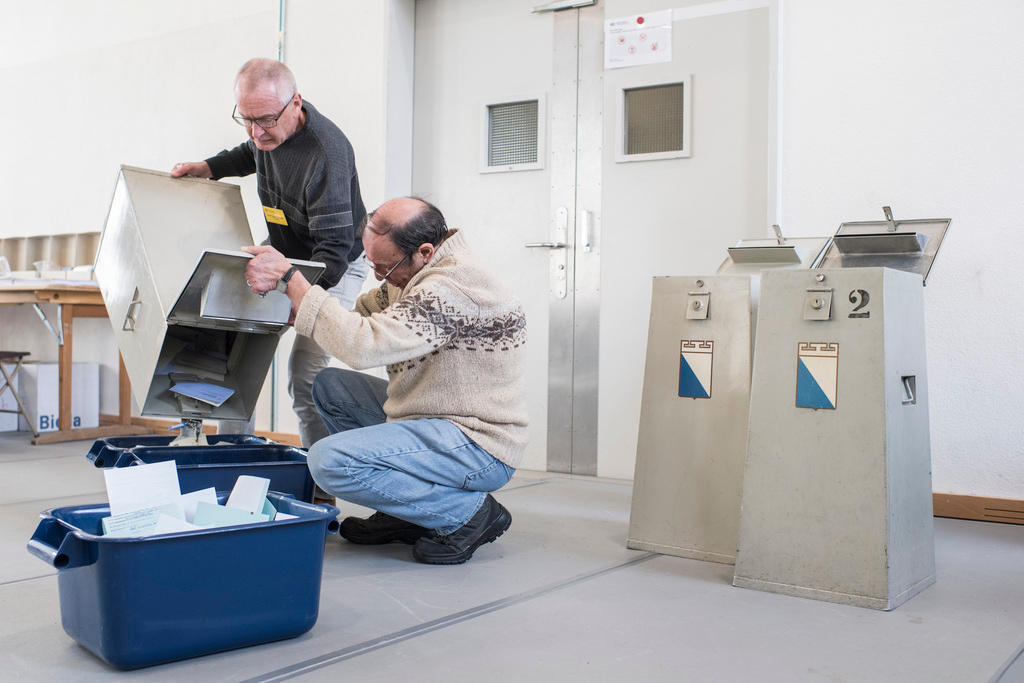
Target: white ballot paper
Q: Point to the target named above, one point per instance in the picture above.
(189, 501)
(249, 494)
(143, 486)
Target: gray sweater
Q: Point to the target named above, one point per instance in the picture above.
(452, 341)
(312, 178)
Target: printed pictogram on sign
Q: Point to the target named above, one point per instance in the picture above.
(695, 365)
(817, 375)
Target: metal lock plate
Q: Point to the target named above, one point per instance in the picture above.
(697, 304)
(817, 304)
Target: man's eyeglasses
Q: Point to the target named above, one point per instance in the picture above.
(385, 276)
(264, 122)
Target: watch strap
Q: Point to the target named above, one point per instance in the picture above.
(282, 284)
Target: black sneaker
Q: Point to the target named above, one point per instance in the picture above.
(489, 522)
(380, 528)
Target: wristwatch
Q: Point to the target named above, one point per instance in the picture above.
(282, 284)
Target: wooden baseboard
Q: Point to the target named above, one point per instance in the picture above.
(280, 437)
(160, 426)
(1005, 510)
(88, 433)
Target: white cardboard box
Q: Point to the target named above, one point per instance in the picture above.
(39, 393)
(9, 421)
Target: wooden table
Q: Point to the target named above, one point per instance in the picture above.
(73, 301)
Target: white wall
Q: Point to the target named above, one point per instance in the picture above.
(93, 84)
(918, 104)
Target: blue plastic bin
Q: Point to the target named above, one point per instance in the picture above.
(136, 602)
(201, 467)
(104, 452)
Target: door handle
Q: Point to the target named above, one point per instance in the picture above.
(546, 245)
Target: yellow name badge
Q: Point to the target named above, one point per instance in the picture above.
(274, 216)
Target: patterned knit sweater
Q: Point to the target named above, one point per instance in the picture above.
(451, 340)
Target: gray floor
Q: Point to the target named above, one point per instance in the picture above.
(558, 597)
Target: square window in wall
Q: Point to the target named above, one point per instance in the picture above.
(513, 136)
(655, 122)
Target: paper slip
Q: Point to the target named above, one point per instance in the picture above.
(143, 486)
(249, 494)
(281, 516)
(171, 525)
(269, 510)
(189, 501)
(215, 515)
(138, 522)
(204, 391)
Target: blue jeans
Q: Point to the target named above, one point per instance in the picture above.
(424, 471)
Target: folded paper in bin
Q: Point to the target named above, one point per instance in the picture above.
(246, 504)
(145, 486)
(146, 522)
(203, 391)
(190, 500)
(208, 515)
(249, 493)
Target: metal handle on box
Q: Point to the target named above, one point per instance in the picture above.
(129, 316)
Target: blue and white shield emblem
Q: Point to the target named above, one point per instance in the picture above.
(817, 375)
(695, 363)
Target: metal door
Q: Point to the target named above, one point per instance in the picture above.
(546, 223)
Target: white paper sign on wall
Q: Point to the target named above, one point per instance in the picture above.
(638, 39)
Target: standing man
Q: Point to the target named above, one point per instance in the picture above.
(426, 447)
(306, 174)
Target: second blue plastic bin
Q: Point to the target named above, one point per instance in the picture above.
(201, 467)
(105, 451)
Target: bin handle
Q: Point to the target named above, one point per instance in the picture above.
(126, 459)
(333, 526)
(54, 544)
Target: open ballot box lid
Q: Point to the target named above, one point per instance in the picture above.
(217, 295)
(750, 256)
(909, 245)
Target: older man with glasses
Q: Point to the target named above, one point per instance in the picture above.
(425, 448)
(307, 182)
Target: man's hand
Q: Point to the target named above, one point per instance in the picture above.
(196, 169)
(265, 269)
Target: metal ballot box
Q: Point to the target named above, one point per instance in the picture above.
(693, 417)
(174, 285)
(837, 498)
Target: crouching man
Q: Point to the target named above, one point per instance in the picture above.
(425, 448)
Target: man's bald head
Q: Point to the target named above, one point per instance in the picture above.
(409, 222)
(264, 74)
